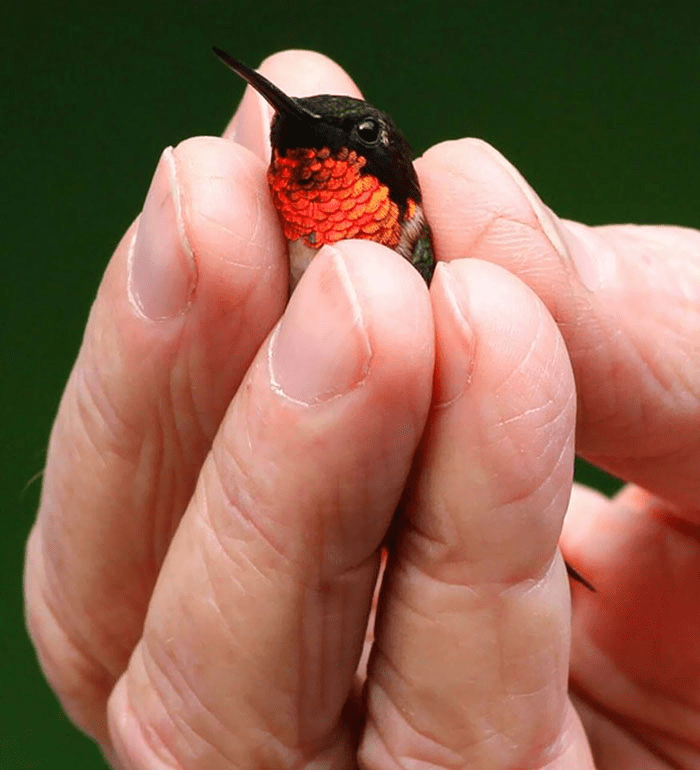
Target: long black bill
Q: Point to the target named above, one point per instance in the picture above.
(578, 577)
(269, 91)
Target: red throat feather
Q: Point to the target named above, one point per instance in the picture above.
(324, 197)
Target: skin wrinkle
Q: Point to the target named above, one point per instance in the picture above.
(521, 367)
(527, 585)
(444, 555)
(666, 382)
(412, 524)
(559, 747)
(336, 599)
(292, 566)
(100, 420)
(644, 415)
(512, 700)
(608, 411)
(552, 436)
(564, 458)
(237, 554)
(645, 360)
(100, 675)
(531, 412)
(518, 498)
(551, 433)
(96, 380)
(245, 302)
(52, 591)
(549, 752)
(158, 686)
(209, 562)
(493, 215)
(266, 718)
(378, 724)
(400, 593)
(311, 690)
(511, 236)
(239, 505)
(631, 350)
(550, 429)
(551, 650)
(132, 454)
(381, 659)
(490, 229)
(317, 715)
(317, 758)
(533, 583)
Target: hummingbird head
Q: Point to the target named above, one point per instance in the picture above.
(339, 123)
(340, 169)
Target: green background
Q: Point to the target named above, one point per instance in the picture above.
(598, 105)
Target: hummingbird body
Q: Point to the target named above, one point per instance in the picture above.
(340, 169)
(324, 197)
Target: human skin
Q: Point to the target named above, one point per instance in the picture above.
(223, 472)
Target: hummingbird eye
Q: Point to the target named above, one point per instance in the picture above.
(368, 131)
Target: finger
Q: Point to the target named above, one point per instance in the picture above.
(257, 622)
(470, 662)
(635, 659)
(297, 73)
(625, 299)
(187, 298)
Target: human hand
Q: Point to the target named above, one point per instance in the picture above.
(240, 646)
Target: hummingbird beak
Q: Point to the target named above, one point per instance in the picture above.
(269, 91)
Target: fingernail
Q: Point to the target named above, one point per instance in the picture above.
(161, 263)
(583, 261)
(321, 349)
(454, 351)
(594, 260)
(543, 214)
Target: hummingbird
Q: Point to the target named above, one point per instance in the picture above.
(341, 168)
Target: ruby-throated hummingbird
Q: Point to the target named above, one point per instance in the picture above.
(341, 169)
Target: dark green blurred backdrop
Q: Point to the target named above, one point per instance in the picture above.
(598, 105)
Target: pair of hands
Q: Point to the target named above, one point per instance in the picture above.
(223, 471)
